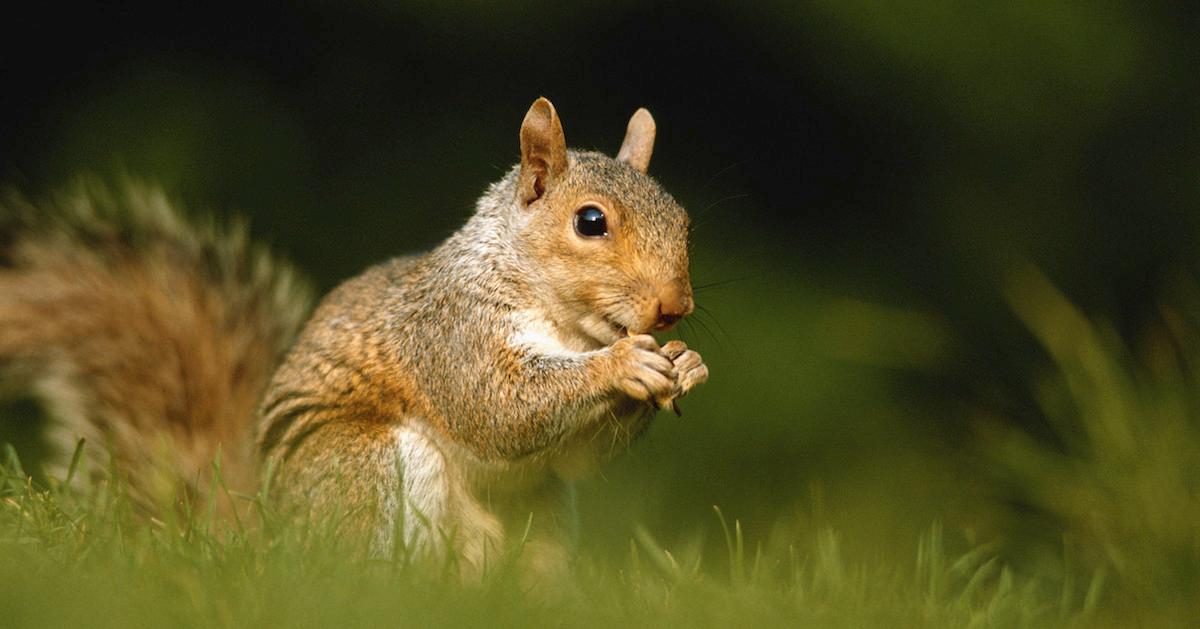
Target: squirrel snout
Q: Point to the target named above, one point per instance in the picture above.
(674, 303)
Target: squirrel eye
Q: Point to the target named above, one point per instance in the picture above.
(590, 222)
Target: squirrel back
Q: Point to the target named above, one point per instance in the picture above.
(147, 334)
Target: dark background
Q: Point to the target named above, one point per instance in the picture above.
(864, 180)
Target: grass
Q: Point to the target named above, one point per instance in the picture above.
(84, 558)
(1094, 524)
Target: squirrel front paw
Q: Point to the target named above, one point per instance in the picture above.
(643, 372)
(689, 367)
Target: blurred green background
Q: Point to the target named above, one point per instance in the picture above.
(871, 186)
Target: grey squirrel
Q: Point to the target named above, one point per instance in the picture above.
(443, 401)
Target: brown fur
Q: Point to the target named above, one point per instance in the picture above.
(430, 347)
(447, 398)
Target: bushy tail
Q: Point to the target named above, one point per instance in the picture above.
(149, 336)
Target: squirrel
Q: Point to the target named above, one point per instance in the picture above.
(440, 403)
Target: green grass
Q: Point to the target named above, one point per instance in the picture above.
(1094, 523)
(84, 558)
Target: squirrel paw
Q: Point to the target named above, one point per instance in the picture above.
(689, 367)
(643, 372)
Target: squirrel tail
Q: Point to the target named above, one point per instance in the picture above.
(148, 335)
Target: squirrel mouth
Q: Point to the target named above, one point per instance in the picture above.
(606, 330)
(621, 330)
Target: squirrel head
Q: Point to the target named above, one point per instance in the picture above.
(607, 243)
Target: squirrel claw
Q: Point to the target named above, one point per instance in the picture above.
(668, 403)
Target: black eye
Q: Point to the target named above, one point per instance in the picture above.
(590, 222)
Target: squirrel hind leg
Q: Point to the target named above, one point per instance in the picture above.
(392, 487)
(442, 518)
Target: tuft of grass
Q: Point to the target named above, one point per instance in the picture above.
(1121, 476)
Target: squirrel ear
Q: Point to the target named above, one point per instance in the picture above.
(543, 151)
(639, 141)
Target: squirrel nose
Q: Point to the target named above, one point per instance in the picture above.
(674, 304)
